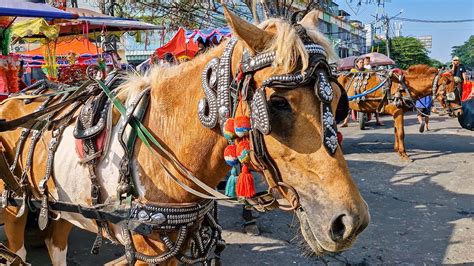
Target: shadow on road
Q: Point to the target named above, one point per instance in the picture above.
(414, 217)
(419, 146)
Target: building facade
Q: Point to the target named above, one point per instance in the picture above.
(348, 36)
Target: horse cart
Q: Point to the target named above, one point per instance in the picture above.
(137, 160)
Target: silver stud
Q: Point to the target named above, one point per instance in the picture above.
(143, 215)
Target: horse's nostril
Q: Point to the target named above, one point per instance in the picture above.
(337, 228)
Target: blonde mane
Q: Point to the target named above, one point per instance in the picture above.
(289, 47)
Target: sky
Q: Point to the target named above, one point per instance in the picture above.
(444, 35)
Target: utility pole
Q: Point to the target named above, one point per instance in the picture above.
(387, 36)
(386, 22)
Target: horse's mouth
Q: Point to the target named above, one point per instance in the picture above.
(317, 246)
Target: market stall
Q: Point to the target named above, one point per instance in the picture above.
(185, 43)
(87, 25)
(9, 63)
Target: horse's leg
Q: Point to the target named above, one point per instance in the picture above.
(400, 134)
(15, 231)
(56, 238)
(395, 145)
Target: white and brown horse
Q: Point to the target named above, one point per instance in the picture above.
(332, 211)
(420, 81)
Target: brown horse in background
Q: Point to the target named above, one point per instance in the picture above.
(332, 211)
(419, 81)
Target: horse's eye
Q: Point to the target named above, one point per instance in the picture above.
(280, 103)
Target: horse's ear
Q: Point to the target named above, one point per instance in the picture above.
(310, 20)
(255, 38)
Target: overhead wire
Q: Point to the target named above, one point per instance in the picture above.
(433, 21)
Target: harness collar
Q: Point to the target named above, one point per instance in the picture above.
(222, 98)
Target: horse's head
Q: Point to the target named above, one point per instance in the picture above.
(447, 91)
(300, 146)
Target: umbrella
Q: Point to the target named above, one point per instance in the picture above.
(178, 46)
(22, 8)
(346, 63)
(87, 21)
(378, 59)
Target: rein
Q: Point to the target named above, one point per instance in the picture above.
(223, 94)
(196, 222)
(365, 93)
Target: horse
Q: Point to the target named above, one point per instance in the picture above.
(448, 93)
(394, 92)
(173, 178)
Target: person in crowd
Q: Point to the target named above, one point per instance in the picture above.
(367, 63)
(21, 72)
(359, 66)
(202, 46)
(423, 106)
(466, 120)
(458, 70)
(168, 60)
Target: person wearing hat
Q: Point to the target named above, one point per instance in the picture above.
(458, 70)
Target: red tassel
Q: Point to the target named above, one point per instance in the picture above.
(245, 184)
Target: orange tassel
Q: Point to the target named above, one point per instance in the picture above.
(245, 184)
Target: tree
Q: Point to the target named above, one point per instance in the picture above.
(465, 52)
(406, 51)
(204, 13)
(435, 63)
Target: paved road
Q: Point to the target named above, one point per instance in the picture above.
(422, 211)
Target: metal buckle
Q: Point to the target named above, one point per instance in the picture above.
(450, 96)
(4, 199)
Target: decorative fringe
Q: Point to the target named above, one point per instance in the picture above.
(230, 186)
(245, 184)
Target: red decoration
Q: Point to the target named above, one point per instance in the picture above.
(242, 126)
(339, 138)
(245, 184)
(229, 132)
(230, 156)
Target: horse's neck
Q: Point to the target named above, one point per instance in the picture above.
(173, 119)
(420, 85)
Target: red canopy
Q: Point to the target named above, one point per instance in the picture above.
(79, 46)
(178, 46)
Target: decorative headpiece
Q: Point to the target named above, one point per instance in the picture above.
(222, 98)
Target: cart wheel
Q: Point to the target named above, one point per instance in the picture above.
(362, 120)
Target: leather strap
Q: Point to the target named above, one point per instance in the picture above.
(7, 175)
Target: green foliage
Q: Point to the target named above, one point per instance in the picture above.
(435, 63)
(465, 52)
(406, 51)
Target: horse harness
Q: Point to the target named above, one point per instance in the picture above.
(448, 97)
(196, 222)
(223, 96)
(400, 98)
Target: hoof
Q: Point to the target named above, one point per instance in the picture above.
(405, 157)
